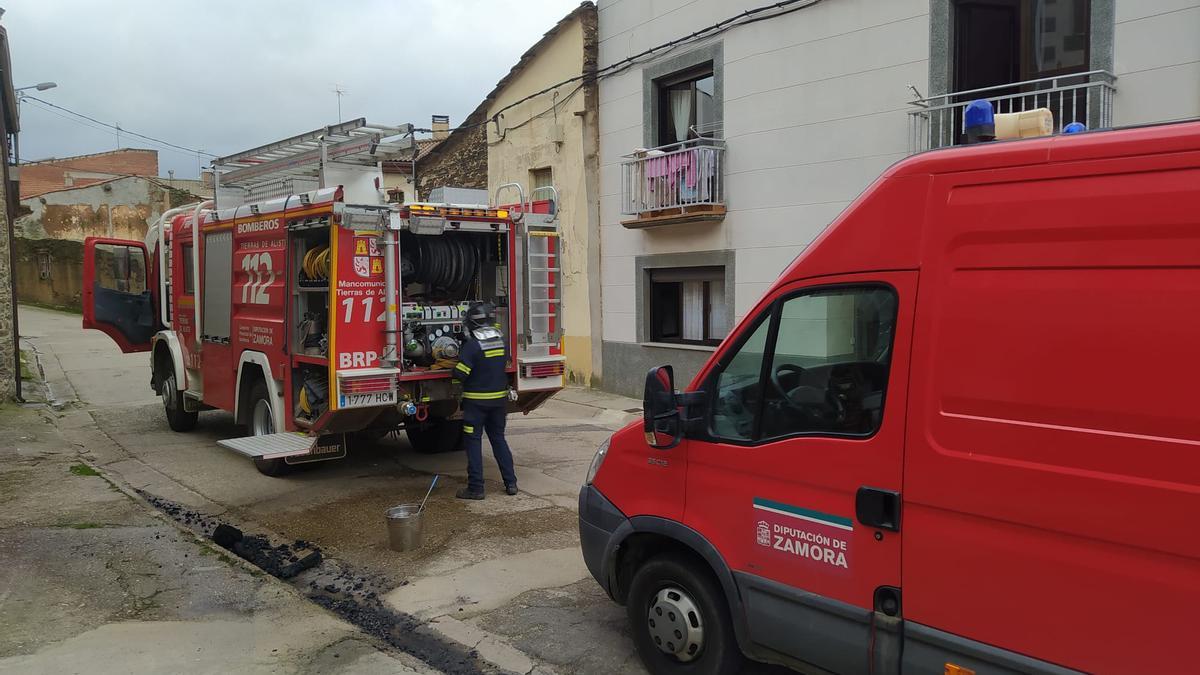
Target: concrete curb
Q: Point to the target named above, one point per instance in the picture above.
(490, 647)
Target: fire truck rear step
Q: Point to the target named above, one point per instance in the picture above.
(271, 446)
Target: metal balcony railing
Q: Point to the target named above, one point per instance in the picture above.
(678, 175)
(1079, 97)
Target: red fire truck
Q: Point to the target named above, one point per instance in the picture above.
(309, 307)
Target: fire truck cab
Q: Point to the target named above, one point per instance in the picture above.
(309, 307)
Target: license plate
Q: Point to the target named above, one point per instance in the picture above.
(367, 400)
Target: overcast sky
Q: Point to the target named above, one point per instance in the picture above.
(227, 75)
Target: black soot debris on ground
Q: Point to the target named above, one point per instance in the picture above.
(335, 586)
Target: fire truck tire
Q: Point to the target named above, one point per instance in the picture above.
(680, 619)
(435, 436)
(178, 418)
(261, 421)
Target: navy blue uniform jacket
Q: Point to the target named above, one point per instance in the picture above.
(481, 368)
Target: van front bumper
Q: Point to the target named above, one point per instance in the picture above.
(599, 520)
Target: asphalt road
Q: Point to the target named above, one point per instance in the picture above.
(500, 581)
(503, 576)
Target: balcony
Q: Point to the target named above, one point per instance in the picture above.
(676, 183)
(1079, 97)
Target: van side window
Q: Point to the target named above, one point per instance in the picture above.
(826, 368)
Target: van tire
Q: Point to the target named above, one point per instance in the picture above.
(435, 436)
(178, 418)
(258, 425)
(718, 651)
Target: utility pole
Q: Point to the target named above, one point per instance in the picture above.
(118, 126)
(337, 89)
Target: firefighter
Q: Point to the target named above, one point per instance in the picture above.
(484, 399)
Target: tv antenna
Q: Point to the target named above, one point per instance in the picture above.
(337, 89)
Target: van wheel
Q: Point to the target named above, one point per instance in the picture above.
(262, 423)
(178, 418)
(435, 436)
(680, 619)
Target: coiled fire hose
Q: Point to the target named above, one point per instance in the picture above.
(315, 264)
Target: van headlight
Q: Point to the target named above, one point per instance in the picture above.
(601, 452)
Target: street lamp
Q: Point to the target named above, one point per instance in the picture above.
(40, 86)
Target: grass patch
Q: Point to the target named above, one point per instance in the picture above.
(83, 470)
(83, 526)
(206, 550)
(53, 308)
(27, 368)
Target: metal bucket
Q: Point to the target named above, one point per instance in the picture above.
(404, 527)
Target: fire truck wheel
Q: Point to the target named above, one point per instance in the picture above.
(435, 436)
(177, 418)
(680, 619)
(262, 423)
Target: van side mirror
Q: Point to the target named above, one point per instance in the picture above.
(660, 410)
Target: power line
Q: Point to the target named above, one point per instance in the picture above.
(116, 128)
(744, 18)
(116, 175)
(552, 108)
(89, 125)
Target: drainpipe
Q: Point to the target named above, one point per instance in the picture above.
(196, 264)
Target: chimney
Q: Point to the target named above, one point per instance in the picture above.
(441, 127)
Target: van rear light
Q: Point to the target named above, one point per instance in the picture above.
(955, 669)
(532, 370)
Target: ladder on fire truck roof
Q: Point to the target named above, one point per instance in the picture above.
(304, 155)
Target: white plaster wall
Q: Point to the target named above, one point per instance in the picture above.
(527, 143)
(1157, 61)
(814, 110)
(393, 180)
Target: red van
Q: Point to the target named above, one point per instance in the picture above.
(960, 434)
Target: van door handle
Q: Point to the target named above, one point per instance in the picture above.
(879, 508)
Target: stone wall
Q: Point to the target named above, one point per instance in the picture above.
(459, 161)
(49, 272)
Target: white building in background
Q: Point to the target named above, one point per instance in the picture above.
(722, 158)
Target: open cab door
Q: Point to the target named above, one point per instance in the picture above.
(117, 292)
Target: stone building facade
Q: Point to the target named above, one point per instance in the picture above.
(460, 160)
(49, 272)
(10, 370)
